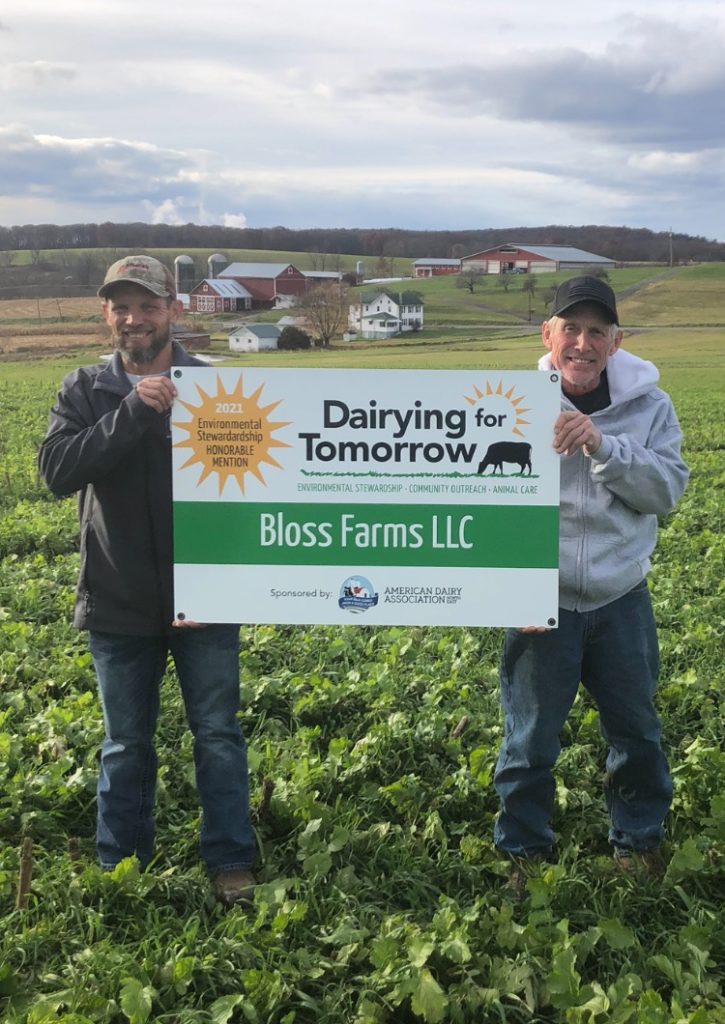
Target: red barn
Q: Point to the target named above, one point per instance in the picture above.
(522, 258)
(213, 295)
(436, 268)
(267, 282)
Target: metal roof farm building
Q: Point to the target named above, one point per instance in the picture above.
(254, 337)
(213, 295)
(520, 258)
(436, 267)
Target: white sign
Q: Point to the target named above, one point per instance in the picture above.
(366, 496)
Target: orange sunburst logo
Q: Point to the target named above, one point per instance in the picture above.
(230, 434)
(497, 394)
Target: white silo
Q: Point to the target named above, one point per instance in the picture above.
(216, 264)
(185, 274)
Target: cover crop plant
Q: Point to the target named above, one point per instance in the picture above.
(371, 752)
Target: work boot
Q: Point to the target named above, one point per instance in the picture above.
(640, 862)
(522, 869)
(235, 887)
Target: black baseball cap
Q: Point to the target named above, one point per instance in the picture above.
(585, 289)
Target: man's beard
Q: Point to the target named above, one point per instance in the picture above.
(143, 355)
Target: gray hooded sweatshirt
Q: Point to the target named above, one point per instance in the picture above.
(610, 500)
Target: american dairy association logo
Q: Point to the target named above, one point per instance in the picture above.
(357, 594)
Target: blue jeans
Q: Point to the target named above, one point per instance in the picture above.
(613, 651)
(129, 671)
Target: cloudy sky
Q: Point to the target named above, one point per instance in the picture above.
(407, 113)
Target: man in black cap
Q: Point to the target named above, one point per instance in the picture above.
(621, 467)
(109, 439)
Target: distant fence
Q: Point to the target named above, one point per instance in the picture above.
(48, 291)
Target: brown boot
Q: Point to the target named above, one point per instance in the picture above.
(640, 862)
(232, 887)
(522, 868)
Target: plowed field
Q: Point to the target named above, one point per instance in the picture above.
(48, 309)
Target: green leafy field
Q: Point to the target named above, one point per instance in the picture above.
(382, 896)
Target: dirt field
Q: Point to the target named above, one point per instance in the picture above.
(31, 328)
(42, 328)
(31, 345)
(49, 309)
(24, 336)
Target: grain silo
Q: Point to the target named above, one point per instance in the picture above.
(185, 274)
(216, 264)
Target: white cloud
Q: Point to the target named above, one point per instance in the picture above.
(24, 74)
(166, 212)
(493, 114)
(234, 220)
(663, 162)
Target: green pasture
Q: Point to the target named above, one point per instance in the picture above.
(654, 296)
(647, 297)
(302, 260)
(382, 897)
(671, 350)
(690, 297)
(447, 303)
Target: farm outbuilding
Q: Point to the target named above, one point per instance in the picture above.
(323, 276)
(191, 340)
(436, 267)
(269, 284)
(521, 258)
(254, 338)
(216, 295)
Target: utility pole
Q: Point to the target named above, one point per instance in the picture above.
(670, 246)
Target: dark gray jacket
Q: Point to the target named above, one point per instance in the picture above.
(105, 443)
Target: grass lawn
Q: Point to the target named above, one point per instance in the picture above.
(692, 296)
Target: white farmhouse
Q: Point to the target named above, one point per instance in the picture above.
(386, 313)
(254, 338)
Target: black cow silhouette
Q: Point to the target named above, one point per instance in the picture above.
(506, 451)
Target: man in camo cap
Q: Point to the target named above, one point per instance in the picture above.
(109, 439)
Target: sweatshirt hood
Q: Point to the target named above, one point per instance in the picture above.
(628, 375)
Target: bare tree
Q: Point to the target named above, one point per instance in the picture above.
(318, 259)
(548, 296)
(528, 285)
(468, 279)
(384, 266)
(88, 267)
(326, 308)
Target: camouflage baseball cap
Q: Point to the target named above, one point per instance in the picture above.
(143, 270)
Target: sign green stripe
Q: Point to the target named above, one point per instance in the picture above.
(490, 536)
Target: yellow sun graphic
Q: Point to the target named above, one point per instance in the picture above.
(519, 421)
(230, 434)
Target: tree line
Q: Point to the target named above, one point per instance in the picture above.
(618, 243)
